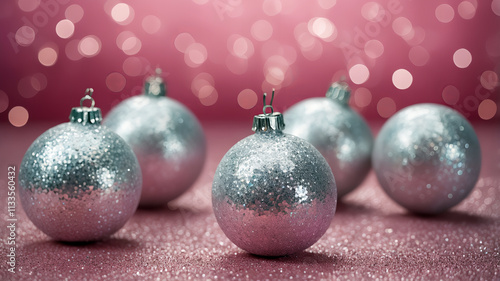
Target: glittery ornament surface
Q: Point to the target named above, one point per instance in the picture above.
(371, 237)
(427, 158)
(79, 182)
(273, 194)
(167, 140)
(339, 133)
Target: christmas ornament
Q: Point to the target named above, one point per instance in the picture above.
(80, 181)
(273, 194)
(166, 137)
(427, 158)
(338, 132)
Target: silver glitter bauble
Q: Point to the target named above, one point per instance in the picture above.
(338, 132)
(80, 181)
(273, 194)
(427, 158)
(167, 139)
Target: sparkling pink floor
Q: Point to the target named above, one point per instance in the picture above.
(370, 236)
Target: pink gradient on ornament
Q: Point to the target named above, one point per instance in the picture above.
(92, 215)
(269, 233)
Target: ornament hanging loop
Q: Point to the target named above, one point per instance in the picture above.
(270, 105)
(88, 96)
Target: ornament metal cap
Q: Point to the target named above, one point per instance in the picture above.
(340, 92)
(273, 121)
(155, 86)
(86, 115)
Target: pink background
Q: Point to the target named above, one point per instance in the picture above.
(218, 56)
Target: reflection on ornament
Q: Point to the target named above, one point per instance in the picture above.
(338, 132)
(273, 194)
(166, 137)
(427, 158)
(80, 181)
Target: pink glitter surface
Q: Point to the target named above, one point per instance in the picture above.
(370, 237)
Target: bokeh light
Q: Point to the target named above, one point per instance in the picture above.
(451, 95)
(131, 45)
(359, 73)
(322, 28)
(72, 51)
(25, 35)
(327, 4)
(462, 58)
(4, 101)
(115, 82)
(261, 30)
(28, 5)
(419, 56)
(495, 7)
(271, 7)
(362, 97)
(183, 41)
(373, 48)
(201, 80)
(372, 11)
(402, 79)
(489, 80)
(122, 13)
(402, 26)
(18, 116)
(247, 98)
(65, 28)
(195, 55)
(47, 56)
(151, 24)
(240, 46)
(487, 109)
(444, 13)
(386, 107)
(466, 10)
(135, 66)
(74, 13)
(89, 46)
